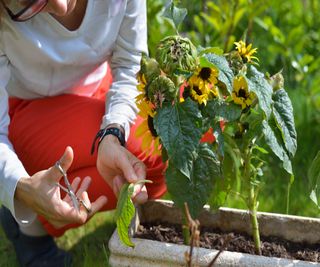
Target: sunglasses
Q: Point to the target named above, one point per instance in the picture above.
(22, 10)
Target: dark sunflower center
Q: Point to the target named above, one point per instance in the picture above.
(197, 90)
(151, 127)
(242, 93)
(176, 51)
(205, 74)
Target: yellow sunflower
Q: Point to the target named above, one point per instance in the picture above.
(202, 84)
(150, 139)
(241, 94)
(204, 79)
(141, 86)
(246, 52)
(199, 96)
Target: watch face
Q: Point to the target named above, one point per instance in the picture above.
(116, 132)
(106, 131)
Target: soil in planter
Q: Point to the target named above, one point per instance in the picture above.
(238, 242)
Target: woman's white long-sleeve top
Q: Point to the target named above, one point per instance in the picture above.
(41, 58)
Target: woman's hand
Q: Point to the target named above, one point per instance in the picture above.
(41, 194)
(117, 166)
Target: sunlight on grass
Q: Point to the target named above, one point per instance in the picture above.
(88, 243)
(9, 260)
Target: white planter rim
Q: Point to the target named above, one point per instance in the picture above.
(158, 254)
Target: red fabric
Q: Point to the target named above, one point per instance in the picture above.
(41, 129)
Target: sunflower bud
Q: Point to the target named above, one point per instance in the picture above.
(149, 67)
(161, 89)
(276, 81)
(176, 52)
(235, 62)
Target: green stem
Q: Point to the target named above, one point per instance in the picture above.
(288, 193)
(254, 221)
(185, 230)
(252, 202)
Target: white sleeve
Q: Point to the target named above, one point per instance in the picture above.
(11, 168)
(125, 63)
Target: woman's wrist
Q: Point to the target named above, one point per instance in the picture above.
(23, 191)
(116, 125)
(115, 130)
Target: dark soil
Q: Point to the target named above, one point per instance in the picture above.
(239, 242)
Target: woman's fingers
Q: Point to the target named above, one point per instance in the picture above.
(95, 206)
(75, 184)
(117, 184)
(55, 173)
(140, 194)
(85, 183)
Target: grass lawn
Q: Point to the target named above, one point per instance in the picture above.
(88, 243)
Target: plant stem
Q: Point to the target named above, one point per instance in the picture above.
(288, 193)
(252, 201)
(254, 221)
(185, 229)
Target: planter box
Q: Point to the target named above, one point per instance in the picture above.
(158, 254)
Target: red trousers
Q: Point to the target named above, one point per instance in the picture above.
(41, 129)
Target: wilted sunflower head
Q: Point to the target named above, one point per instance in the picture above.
(176, 53)
(241, 94)
(246, 52)
(149, 68)
(160, 90)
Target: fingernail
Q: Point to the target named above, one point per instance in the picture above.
(136, 190)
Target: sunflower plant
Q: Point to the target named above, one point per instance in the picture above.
(212, 114)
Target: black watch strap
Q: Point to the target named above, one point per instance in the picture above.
(104, 132)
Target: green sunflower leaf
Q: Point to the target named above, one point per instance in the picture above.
(314, 180)
(276, 145)
(205, 63)
(213, 50)
(179, 127)
(175, 14)
(196, 190)
(124, 213)
(218, 108)
(263, 90)
(225, 72)
(283, 113)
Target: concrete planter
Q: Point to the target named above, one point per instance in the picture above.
(148, 253)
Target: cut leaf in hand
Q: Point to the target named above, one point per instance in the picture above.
(125, 211)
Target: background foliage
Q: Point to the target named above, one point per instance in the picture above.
(287, 37)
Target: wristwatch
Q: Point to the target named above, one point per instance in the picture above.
(112, 129)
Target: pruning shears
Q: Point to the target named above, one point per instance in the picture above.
(68, 189)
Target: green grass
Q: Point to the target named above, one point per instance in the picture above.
(88, 243)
